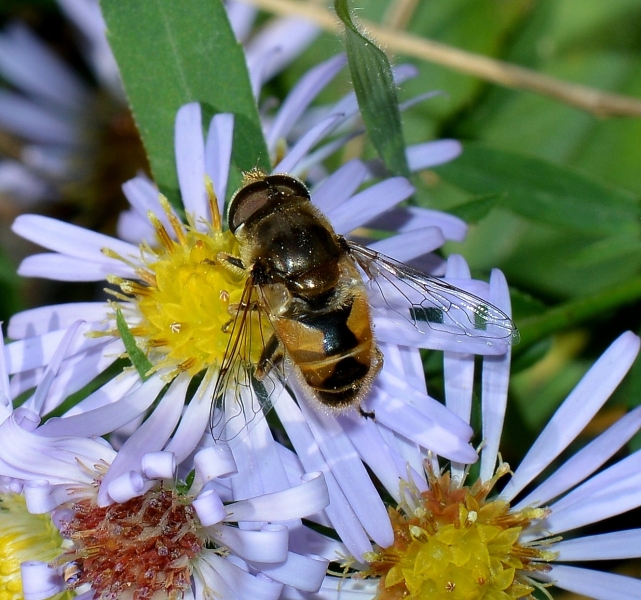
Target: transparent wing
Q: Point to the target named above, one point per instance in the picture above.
(244, 388)
(414, 298)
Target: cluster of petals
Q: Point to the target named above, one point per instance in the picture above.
(56, 467)
(339, 447)
(586, 489)
(53, 355)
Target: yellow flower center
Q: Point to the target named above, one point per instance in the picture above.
(182, 308)
(23, 537)
(451, 543)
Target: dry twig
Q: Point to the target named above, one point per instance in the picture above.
(597, 102)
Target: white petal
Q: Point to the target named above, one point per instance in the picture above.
(400, 220)
(39, 580)
(31, 121)
(585, 462)
(143, 195)
(70, 240)
(339, 588)
(608, 546)
(152, 435)
(350, 473)
(133, 228)
(368, 204)
(38, 351)
(495, 378)
(403, 419)
(5, 393)
(593, 584)
(307, 88)
(190, 160)
(44, 319)
(386, 464)
(458, 368)
(36, 402)
(291, 35)
(77, 371)
(126, 486)
(431, 154)
(611, 492)
(340, 185)
(242, 583)
(241, 18)
(159, 465)
(193, 422)
(213, 462)
(34, 68)
(293, 503)
(298, 151)
(339, 510)
(406, 246)
(106, 419)
(18, 181)
(66, 268)
(301, 572)
(577, 410)
(401, 390)
(112, 391)
(218, 149)
(209, 508)
(269, 545)
(56, 460)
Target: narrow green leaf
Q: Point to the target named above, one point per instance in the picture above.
(376, 93)
(576, 312)
(618, 247)
(545, 192)
(136, 355)
(169, 54)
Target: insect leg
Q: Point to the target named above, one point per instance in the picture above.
(272, 356)
(232, 263)
(375, 369)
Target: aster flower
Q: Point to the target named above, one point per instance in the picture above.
(456, 537)
(182, 327)
(163, 505)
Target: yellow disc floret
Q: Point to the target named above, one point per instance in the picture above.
(452, 543)
(23, 537)
(182, 308)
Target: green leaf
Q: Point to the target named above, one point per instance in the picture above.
(136, 355)
(576, 312)
(545, 192)
(170, 54)
(617, 247)
(376, 93)
(476, 209)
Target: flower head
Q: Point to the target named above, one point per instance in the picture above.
(183, 328)
(168, 512)
(456, 537)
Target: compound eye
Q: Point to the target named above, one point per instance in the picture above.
(246, 202)
(288, 185)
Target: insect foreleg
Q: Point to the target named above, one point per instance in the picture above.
(232, 263)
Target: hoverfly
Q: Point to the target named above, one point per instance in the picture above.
(307, 300)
